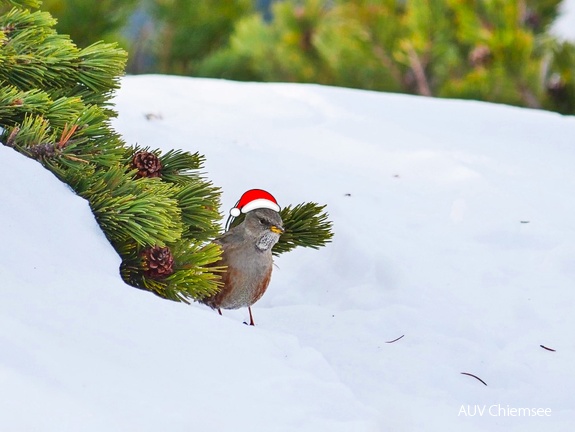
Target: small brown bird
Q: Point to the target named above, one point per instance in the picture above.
(247, 254)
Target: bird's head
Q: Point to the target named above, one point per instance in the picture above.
(265, 226)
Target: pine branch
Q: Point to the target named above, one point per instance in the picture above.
(177, 163)
(36, 137)
(146, 218)
(305, 225)
(15, 104)
(25, 47)
(195, 276)
(192, 279)
(101, 66)
(64, 111)
(199, 202)
(33, 55)
(24, 3)
(32, 131)
(143, 210)
(198, 199)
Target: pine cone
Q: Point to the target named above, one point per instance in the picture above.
(147, 164)
(158, 262)
(40, 151)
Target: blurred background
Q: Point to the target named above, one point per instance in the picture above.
(517, 52)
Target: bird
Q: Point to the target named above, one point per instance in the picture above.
(248, 261)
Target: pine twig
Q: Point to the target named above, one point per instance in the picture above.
(305, 225)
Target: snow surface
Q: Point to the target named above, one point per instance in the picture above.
(564, 26)
(453, 226)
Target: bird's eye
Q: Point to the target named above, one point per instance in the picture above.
(263, 221)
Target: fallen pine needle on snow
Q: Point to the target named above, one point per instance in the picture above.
(476, 377)
(548, 349)
(395, 340)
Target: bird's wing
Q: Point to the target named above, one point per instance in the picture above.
(231, 237)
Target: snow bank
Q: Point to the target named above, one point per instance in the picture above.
(453, 227)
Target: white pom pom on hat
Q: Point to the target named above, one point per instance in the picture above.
(254, 199)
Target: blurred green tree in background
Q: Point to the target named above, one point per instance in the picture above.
(90, 21)
(190, 31)
(493, 50)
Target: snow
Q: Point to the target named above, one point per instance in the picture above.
(564, 26)
(453, 227)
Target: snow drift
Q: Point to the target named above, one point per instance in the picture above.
(453, 227)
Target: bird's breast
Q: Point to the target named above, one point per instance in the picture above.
(246, 280)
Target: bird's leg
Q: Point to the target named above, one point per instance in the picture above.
(251, 317)
(219, 311)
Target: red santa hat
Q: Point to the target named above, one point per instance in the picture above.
(254, 199)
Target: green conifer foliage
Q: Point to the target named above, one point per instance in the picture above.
(559, 78)
(189, 31)
(283, 50)
(492, 50)
(358, 41)
(157, 209)
(305, 225)
(87, 21)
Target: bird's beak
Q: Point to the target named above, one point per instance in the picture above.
(276, 229)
